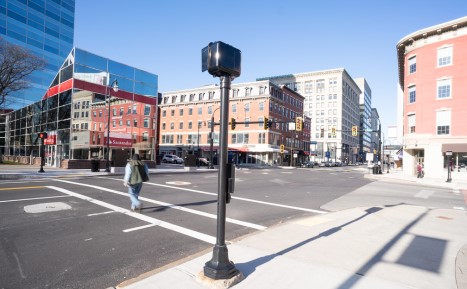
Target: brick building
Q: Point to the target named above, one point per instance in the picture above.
(185, 123)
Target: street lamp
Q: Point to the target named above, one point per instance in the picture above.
(114, 86)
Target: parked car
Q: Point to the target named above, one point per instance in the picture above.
(172, 159)
(308, 164)
(203, 162)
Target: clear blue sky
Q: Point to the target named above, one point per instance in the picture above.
(275, 37)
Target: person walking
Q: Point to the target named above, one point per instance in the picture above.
(136, 172)
(419, 170)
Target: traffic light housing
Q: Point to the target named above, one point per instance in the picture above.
(233, 123)
(282, 148)
(298, 123)
(333, 131)
(269, 123)
(42, 135)
(354, 130)
(265, 123)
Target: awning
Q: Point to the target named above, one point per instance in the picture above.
(454, 147)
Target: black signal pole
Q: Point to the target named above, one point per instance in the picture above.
(41, 170)
(220, 267)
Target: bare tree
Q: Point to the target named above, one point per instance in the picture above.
(16, 66)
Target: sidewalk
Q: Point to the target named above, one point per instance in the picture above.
(15, 172)
(459, 179)
(362, 248)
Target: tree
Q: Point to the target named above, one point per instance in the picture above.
(16, 66)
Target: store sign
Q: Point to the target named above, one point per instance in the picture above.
(51, 139)
(119, 142)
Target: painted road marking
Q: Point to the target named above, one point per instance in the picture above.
(424, 194)
(154, 221)
(32, 199)
(103, 213)
(21, 188)
(241, 199)
(200, 213)
(138, 228)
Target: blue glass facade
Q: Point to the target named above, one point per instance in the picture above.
(46, 27)
(81, 113)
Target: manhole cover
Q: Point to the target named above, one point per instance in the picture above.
(47, 207)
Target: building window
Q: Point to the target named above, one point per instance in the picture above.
(146, 123)
(180, 125)
(134, 108)
(180, 112)
(147, 110)
(172, 125)
(135, 123)
(444, 56)
(179, 139)
(172, 112)
(412, 64)
(145, 136)
(444, 88)
(190, 111)
(443, 122)
(262, 138)
(190, 125)
(247, 122)
(412, 93)
(247, 107)
(411, 123)
(164, 113)
(261, 106)
(122, 110)
(209, 109)
(234, 107)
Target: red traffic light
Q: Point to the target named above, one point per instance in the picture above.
(43, 135)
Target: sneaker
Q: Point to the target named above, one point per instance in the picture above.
(140, 207)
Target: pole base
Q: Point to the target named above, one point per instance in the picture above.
(219, 267)
(41, 170)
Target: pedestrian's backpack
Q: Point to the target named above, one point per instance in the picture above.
(142, 173)
(139, 174)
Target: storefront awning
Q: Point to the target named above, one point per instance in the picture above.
(454, 147)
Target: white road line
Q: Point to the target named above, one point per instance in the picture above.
(458, 208)
(200, 213)
(169, 226)
(138, 228)
(32, 199)
(424, 194)
(103, 213)
(241, 199)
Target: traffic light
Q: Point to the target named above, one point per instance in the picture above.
(265, 123)
(354, 130)
(269, 123)
(282, 148)
(333, 130)
(322, 133)
(42, 135)
(233, 123)
(298, 123)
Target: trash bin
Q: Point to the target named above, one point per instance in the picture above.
(95, 165)
(375, 169)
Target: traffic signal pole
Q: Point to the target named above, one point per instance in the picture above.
(220, 267)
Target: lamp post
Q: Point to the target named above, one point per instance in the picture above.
(114, 86)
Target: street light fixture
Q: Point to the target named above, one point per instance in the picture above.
(113, 86)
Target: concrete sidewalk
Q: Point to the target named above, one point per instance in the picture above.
(362, 248)
(14, 172)
(459, 179)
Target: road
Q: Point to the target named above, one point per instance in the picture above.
(80, 233)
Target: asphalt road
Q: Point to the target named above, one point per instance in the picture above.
(79, 232)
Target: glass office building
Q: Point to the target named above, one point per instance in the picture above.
(46, 28)
(84, 117)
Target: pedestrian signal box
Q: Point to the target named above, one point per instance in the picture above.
(42, 135)
(354, 130)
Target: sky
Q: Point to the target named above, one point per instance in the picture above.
(275, 37)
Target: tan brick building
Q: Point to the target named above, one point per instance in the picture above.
(185, 123)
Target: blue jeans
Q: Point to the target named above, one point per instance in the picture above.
(134, 191)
